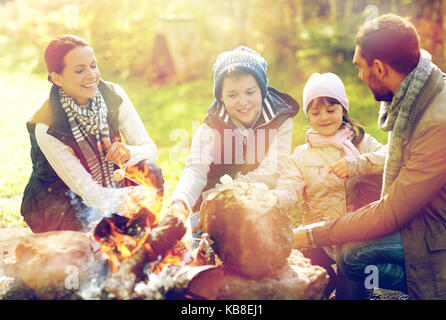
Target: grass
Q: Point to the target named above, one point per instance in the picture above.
(20, 94)
(170, 114)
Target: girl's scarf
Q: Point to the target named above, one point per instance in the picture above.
(88, 123)
(341, 140)
(394, 117)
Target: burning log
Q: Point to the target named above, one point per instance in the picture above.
(130, 244)
(34, 266)
(297, 279)
(251, 236)
(172, 281)
(151, 243)
(182, 282)
(164, 237)
(202, 281)
(157, 242)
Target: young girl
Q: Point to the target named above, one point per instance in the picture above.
(324, 170)
(246, 133)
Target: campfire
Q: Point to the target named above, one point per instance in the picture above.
(144, 254)
(144, 242)
(121, 237)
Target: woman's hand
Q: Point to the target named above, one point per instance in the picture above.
(117, 152)
(339, 168)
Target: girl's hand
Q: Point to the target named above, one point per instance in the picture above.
(117, 152)
(339, 168)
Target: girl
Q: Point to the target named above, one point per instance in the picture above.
(246, 133)
(76, 144)
(324, 170)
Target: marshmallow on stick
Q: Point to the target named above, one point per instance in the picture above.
(119, 175)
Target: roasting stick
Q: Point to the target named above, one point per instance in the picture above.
(119, 175)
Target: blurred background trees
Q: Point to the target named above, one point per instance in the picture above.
(162, 52)
(295, 36)
(154, 44)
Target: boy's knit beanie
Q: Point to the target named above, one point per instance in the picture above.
(324, 85)
(240, 58)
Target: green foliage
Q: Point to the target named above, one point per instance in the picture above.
(164, 109)
(169, 113)
(297, 38)
(9, 216)
(286, 32)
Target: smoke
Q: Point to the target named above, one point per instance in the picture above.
(89, 216)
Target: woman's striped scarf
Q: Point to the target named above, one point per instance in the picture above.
(90, 121)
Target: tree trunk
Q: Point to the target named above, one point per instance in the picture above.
(333, 12)
(348, 9)
(299, 15)
(429, 24)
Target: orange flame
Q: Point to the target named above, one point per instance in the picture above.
(171, 259)
(118, 246)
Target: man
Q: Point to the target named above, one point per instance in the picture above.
(403, 235)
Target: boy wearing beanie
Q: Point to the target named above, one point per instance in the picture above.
(246, 133)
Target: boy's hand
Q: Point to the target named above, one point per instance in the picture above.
(178, 209)
(339, 168)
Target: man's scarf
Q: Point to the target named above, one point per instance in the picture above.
(394, 117)
(86, 123)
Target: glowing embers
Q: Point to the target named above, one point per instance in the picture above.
(121, 237)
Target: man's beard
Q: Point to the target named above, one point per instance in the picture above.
(380, 92)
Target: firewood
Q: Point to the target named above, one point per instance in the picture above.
(182, 282)
(201, 281)
(161, 239)
(164, 237)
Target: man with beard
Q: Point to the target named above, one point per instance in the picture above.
(399, 241)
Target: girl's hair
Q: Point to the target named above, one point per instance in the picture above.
(57, 49)
(357, 128)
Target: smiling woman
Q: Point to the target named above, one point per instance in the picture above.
(80, 77)
(76, 144)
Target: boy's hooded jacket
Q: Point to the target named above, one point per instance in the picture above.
(220, 148)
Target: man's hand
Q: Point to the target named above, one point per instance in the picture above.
(339, 168)
(300, 238)
(117, 152)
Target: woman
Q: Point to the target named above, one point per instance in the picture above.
(76, 144)
(246, 134)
